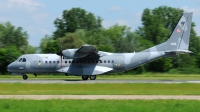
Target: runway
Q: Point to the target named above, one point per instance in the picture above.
(50, 81)
(96, 97)
(106, 97)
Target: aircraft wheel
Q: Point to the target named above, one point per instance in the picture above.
(85, 77)
(25, 77)
(93, 77)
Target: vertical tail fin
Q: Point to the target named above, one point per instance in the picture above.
(179, 39)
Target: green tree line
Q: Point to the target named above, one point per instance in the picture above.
(77, 27)
(13, 43)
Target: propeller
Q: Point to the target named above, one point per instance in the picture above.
(60, 54)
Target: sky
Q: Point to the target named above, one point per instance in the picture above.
(37, 17)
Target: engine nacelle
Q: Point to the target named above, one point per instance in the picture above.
(72, 54)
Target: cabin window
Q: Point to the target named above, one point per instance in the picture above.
(50, 62)
(69, 61)
(54, 62)
(112, 61)
(46, 62)
(65, 61)
(108, 61)
(57, 61)
(73, 61)
(77, 61)
(104, 61)
(100, 61)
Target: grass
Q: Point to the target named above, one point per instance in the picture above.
(113, 77)
(99, 106)
(100, 89)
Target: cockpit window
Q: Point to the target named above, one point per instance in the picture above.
(20, 60)
(24, 60)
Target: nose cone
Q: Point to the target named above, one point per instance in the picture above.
(9, 67)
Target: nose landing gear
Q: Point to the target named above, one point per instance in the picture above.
(25, 77)
(35, 74)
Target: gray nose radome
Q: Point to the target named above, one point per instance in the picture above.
(10, 67)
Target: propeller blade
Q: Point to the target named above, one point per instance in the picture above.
(61, 54)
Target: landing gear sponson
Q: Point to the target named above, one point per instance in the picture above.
(92, 77)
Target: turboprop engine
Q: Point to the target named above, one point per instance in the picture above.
(72, 54)
(84, 51)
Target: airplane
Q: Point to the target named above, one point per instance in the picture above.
(88, 62)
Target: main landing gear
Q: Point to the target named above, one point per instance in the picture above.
(25, 77)
(92, 77)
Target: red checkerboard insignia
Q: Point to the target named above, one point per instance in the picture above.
(178, 30)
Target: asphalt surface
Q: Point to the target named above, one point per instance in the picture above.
(50, 81)
(96, 97)
(107, 97)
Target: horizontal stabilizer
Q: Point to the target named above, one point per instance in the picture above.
(179, 51)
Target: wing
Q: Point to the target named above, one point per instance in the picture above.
(87, 50)
(83, 51)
